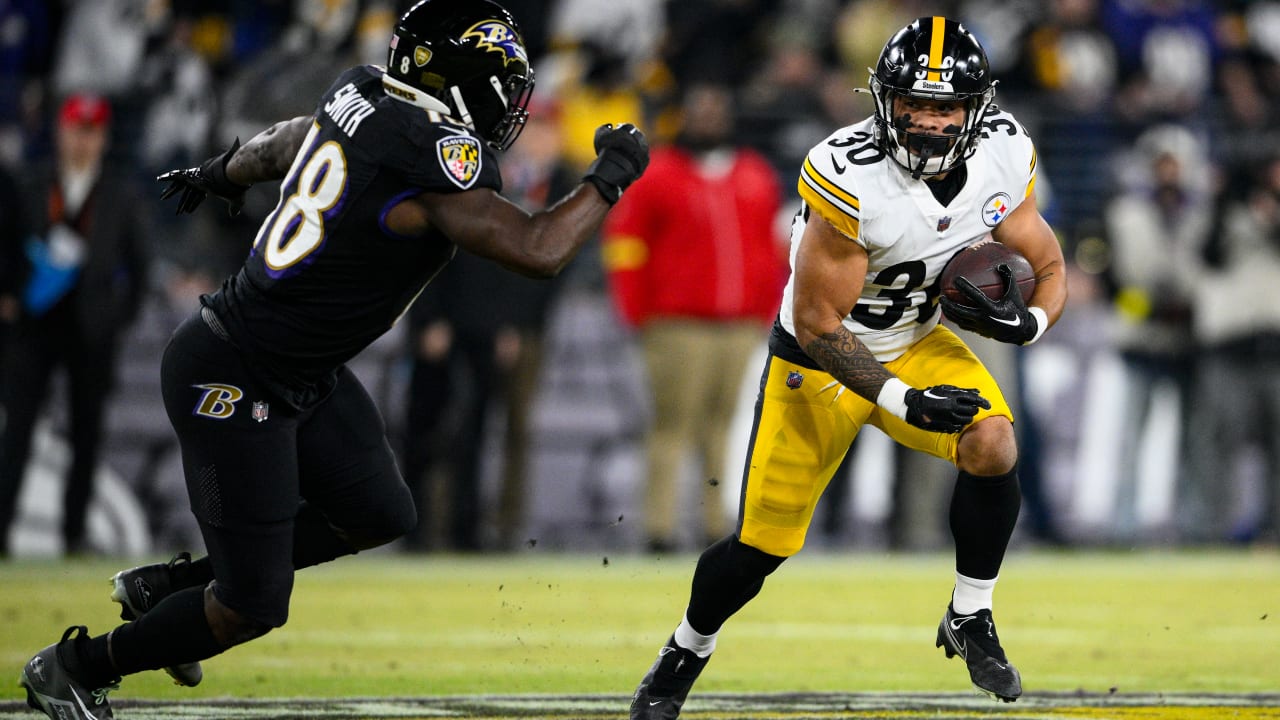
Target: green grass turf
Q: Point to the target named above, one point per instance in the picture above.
(396, 625)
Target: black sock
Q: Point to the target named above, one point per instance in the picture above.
(174, 632)
(728, 576)
(89, 663)
(984, 509)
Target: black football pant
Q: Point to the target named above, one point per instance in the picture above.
(258, 470)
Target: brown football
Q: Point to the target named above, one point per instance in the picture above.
(977, 263)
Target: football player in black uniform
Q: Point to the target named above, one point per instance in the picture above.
(285, 455)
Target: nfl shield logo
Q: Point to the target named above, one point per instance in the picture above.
(260, 410)
(794, 379)
(944, 222)
(460, 158)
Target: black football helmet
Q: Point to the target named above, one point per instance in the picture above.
(933, 58)
(466, 59)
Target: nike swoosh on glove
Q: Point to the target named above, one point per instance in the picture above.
(1007, 319)
(944, 408)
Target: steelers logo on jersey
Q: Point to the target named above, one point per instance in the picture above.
(460, 158)
(996, 208)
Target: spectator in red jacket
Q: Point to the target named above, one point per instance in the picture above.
(696, 266)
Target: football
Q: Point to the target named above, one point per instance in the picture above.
(977, 263)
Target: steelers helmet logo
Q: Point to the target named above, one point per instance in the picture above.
(460, 158)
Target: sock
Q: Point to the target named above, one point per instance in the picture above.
(694, 641)
(971, 595)
(173, 633)
(89, 662)
(729, 574)
(984, 510)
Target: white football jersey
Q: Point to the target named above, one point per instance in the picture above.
(909, 236)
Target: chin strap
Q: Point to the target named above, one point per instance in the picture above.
(463, 113)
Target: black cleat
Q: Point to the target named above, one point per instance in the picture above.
(53, 691)
(662, 691)
(973, 637)
(142, 588)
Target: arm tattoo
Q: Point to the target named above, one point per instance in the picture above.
(268, 155)
(843, 355)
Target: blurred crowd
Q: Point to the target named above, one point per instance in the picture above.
(1151, 413)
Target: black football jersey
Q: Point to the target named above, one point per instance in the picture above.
(325, 276)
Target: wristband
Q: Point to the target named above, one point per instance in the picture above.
(610, 192)
(893, 397)
(1042, 323)
(216, 168)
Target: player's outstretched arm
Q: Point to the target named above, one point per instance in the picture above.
(267, 156)
(825, 264)
(539, 244)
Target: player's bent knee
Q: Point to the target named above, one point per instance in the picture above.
(753, 560)
(988, 447)
(231, 628)
(393, 521)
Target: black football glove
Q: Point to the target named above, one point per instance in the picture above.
(1006, 319)
(622, 154)
(944, 408)
(208, 179)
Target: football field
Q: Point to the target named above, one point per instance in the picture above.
(1104, 635)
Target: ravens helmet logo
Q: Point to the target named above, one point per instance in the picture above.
(497, 36)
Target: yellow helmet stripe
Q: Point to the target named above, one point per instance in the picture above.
(935, 47)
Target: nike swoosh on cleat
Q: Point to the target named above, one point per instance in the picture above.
(654, 702)
(956, 623)
(88, 715)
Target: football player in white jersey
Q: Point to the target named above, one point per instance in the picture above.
(886, 203)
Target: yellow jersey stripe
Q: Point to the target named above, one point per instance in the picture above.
(822, 205)
(1031, 185)
(935, 47)
(823, 184)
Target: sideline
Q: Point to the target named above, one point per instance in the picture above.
(716, 706)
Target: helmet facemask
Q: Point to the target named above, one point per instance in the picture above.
(496, 108)
(921, 153)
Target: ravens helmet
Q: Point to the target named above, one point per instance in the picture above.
(466, 59)
(933, 58)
